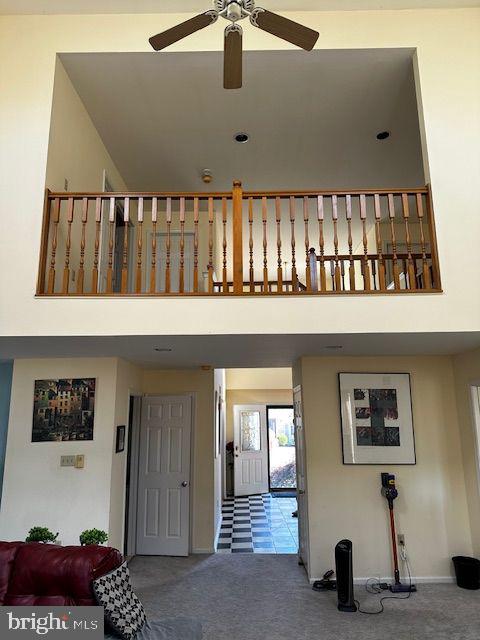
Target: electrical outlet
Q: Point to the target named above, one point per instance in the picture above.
(401, 539)
(67, 461)
(79, 462)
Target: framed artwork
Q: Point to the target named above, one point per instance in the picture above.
(63, 409)
(120, 439)
(377, 421)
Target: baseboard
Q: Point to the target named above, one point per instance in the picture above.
(415, 579)
(210, 550)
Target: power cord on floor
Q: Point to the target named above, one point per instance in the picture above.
(371, 587)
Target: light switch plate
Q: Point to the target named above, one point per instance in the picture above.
(67, 461)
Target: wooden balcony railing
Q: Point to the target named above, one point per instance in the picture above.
(238, 243)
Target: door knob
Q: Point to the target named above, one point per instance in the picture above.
(184, 483)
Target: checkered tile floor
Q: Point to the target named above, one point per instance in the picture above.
(258, 524)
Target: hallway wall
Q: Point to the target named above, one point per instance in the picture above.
(344, 500)
(6, 373)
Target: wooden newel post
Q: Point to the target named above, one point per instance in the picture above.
(237, 198)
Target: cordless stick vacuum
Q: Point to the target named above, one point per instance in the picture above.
(389, 491)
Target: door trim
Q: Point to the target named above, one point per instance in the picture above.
(134, 469)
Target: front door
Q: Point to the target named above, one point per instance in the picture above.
(251, 449)
(163, 509)
(303, 545)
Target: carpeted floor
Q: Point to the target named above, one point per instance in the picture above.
(255, 597)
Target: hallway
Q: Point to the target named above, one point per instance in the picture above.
(258, 524)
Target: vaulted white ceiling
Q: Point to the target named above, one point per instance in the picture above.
(312, 118)
(179, 6)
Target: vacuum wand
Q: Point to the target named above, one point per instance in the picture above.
(389, 491)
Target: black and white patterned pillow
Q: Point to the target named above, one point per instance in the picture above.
(123, 610)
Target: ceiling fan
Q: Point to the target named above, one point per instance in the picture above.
(234, 11)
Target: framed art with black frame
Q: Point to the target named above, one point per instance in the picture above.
(120, 439)
(376, 417)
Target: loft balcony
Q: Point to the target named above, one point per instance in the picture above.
(239, 243)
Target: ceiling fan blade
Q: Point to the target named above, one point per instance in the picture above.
(288, 30)
(233, 58)
(182, 30)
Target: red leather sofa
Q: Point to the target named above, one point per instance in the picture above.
(34, 574)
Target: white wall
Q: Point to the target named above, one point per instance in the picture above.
(36, 490)
(219, 460)
(450, 95)
(344, 501)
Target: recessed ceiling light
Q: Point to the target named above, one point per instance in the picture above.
(333, 347)
(163, 349)
(242, 138)
(383, 135)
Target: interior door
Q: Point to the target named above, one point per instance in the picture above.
(303, 543)
(251, 449)
(163, 507)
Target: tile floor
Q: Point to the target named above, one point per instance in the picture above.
(258, 524)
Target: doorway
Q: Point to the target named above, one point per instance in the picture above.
(281, 449)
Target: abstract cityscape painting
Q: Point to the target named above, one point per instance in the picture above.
(63, 410)
(377, 423)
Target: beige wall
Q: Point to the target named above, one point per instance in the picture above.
(259, 378)
(76, 151)
(345, 501)
(201, 383)
(36, 490)
(449, 84)
(219, 432)
(128, 382)
(467, 373)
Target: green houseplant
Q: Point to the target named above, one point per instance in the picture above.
(93, 536)
(41, 534)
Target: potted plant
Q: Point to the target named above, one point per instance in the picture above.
(93, 536)
(41, 534)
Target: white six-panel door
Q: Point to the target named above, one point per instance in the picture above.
(251, 449)
(164, 476)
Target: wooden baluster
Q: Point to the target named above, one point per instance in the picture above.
(308, 273)
(391, 214)
(138, 279)
(153, 264)
(68, 246)
(195, 244)
(381, 263)
(425, 268)
(98, 223)
(168, 245)
(42, 267)
(181, 286)
(81, 270)
(294, 262)
(53, 254)
(111, 232)
(351, 269)
(323, 273)
(224, 245)
(332, 273)
(412, 276)
(278, 219)
(250, 244)
(210, 244)
(237, 204)
(342, 271)
(126, 221)
(366, 266)
(435, 277)
(265, 259)
(337, 279)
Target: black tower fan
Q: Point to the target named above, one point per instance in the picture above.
(344, 571)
